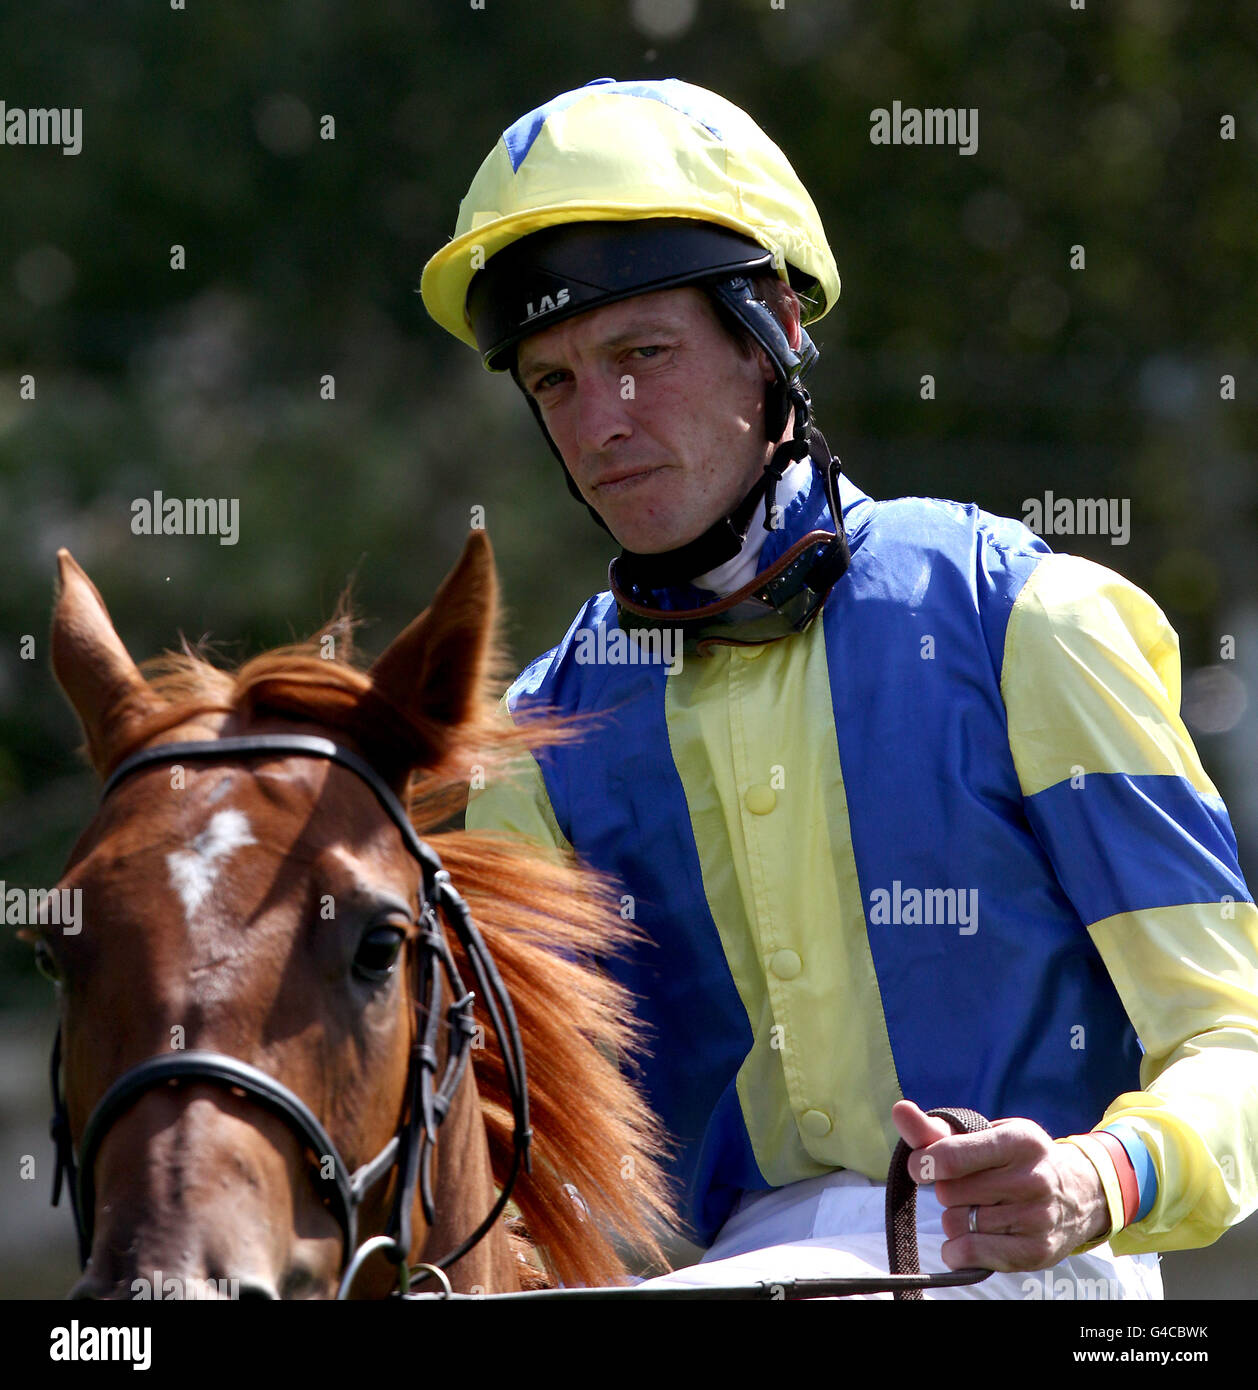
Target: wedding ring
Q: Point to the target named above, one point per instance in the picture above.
(974, 1221)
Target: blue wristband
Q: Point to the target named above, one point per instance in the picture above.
(1142, 1162)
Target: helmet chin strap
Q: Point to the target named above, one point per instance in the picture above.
(786, 596)
(724, 539)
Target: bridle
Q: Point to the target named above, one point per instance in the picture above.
(426, 1100)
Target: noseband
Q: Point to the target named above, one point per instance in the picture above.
(426, 1099)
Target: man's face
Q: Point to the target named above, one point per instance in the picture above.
(657, 413)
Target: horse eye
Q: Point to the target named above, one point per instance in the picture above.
(45, 963)
(378, 953)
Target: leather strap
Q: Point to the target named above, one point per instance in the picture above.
(902, 1252)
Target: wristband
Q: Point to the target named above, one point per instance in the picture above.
(1126, 1173)
(1142, 1164)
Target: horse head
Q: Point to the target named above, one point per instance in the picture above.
(264, 909)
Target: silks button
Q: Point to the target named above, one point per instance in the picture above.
(761, 799)
(816, 1124)
(786, 964)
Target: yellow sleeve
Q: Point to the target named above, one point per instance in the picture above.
(1190, 985)
(1145, 850)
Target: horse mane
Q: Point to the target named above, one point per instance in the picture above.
(598, 1186)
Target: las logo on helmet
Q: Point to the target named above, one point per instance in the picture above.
(547, 305)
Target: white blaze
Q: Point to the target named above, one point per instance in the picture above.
(194, 870)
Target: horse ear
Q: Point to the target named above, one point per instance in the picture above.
(438, 671)
(91, 664)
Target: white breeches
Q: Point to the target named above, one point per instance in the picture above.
(834, 1226)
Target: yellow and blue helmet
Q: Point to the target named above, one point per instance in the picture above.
(616, 189)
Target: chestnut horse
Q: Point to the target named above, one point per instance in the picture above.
(260, 906)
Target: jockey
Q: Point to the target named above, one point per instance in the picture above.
(900, 798)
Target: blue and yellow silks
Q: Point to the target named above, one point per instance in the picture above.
(952, 843)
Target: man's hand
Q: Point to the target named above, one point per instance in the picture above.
(1037, 1200)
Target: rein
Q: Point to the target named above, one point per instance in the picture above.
(905, 1281)
(427, 1100)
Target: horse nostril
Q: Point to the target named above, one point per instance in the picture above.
(255, 1290)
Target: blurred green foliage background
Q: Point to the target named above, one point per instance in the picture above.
(201, 127)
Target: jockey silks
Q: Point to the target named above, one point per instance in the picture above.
(951, 842)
